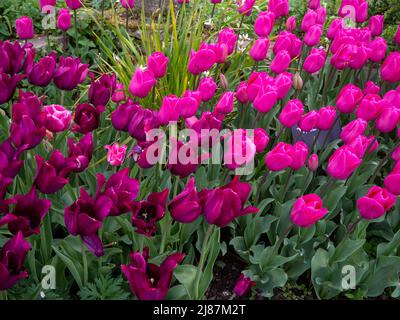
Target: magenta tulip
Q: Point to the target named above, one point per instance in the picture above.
(158, 64)
(307, 210)
(142, 83)
(342, 163)
(375, 203)
(24, 26)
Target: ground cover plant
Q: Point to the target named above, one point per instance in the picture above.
(199, 150)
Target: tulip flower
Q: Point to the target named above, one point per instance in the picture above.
(87, 118)
(119, 93)
(392, 98)
(41, 73)
(243, 286)
(388, 119)
(375, 24)
(259, 50)
(52, 175)
(58, 118)
(228, 37)
(397, 36)
(28, 121)
(280, 157)
(128, 4)
(313, 35)
(314, 4)
(390, 70)
(312, 162)
(361, 144)
(14, 57)
(185, 207)
(69, 73)
(327, 116)
(342, 163)
(8, 86)
(377, 49)
(239, 149)
(189, 103)
(44, 3)
(220, 51)
(24, 26)
(102, 89)
(370, 107)
(291, 113)
(241, 93)
(309, 121)
(183, 159)
(348, 98)
(28, 213)
(360, 10)
(12, 257)
(392, 181)
(80, 153)
(116, 154)
(291, 24)
(371, 88)
(207, 88)
(283, 83)
(321, 15)
(74, 4)
(10, 165)
(84, 218)
(142, 82)
(375, 203)
(299, 154)
(147, 212)
(264, 24)
(245, 7)
(147, 280)
(307, 210)
(224, 204)
(157, 63)
(265, 99)
(201, 60)
(64, 20)
(315, 61)
(225, 103)
(281, 62)
(261, 139)
(353, 129)
(334, 28)
(309, 19)
(169, 111)
(120, 188)
(279, 7)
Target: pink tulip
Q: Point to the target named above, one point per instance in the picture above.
(239, 149)
(58, 119)
(353, 129)
(279, 7)
(390, 70)
(315, 61)
(245, 6)
(259, 50)
(388, 119)
(265, 99)
(281, 62)
(307, 210)
(142, 82)
(74, 4)
(309, 121)
(225, 103)
(189, 103)
(228, 37)
(376, 25)
(397, 36)
(360, 8)
(335, 27)
(280, 157)
(361, 144)
(321, 15)
(299, 155)
(312, 162)
(207, 88)
(371, 88)
(314, 4)
(264, 24)
(261, 139)
(169, 110)
(313, 35)
(116, 154)
(291, 24)
(119, 93)
(283, 83)
(309, 19)
(157, 63)
(327, 116)
(24, 26)
(392, 181)
(377, 49)
(64, 20)
(201, 60)
(342, 163)
(291, 113)
(375, 203)
(128, 4)
(241, 93)
(348, 98)
(370, 107)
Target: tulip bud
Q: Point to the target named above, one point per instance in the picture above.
(243, 286)
(371, 88)
(291, 24)
(157, 63)
(297, 81)
(312, 163)
(261, 139)
(119, 93)
(24, 26)
(64, 20)
(376, 25)
(225, 103)
(281, 62)
(223, 81)
(241, 93)
(259, 50)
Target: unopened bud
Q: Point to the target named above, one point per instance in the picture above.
(297, 81)
(312, 163)
(224, 82)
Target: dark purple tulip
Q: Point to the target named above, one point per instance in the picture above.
(176, 167)
(12, 257)
(149, 281)
(28, 213)
(80, 153)
(12, 57)
(185, 207)
(131, 117)
(224, 204)
(120, 188)
(51, 175)
(8, 85)
(147, 212)
(69, 73)
(41, 73)
(102, 89)
(87, 118)
(84, 218)
(9, 166)
(28, 121)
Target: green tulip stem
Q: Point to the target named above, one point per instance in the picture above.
(260, 185)
(203, 256)
(85, 264)
(278, 244)
(76, 29)
(286, 187)
(213, 10)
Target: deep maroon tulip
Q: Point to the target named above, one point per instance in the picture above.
(147, 280)
(224, 204)
(8, 85)
(24, 26)
(87, 118)
(28, 213)
(157, 63)
(74, 4)
(102, 89)
(84, 218)
(348, 98)
(51, 175)
(12, 257)
(13, 56)
(42, 72)
(185, 207)
(69, 73)
(147, 212)
(182, 167)
(228, 37)
(64, 20)
(28, 121)
(207, 88)
(120, 188)
(243, 286)
(58, 118)
(80, 153)
(142, 82)
(10, 164)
